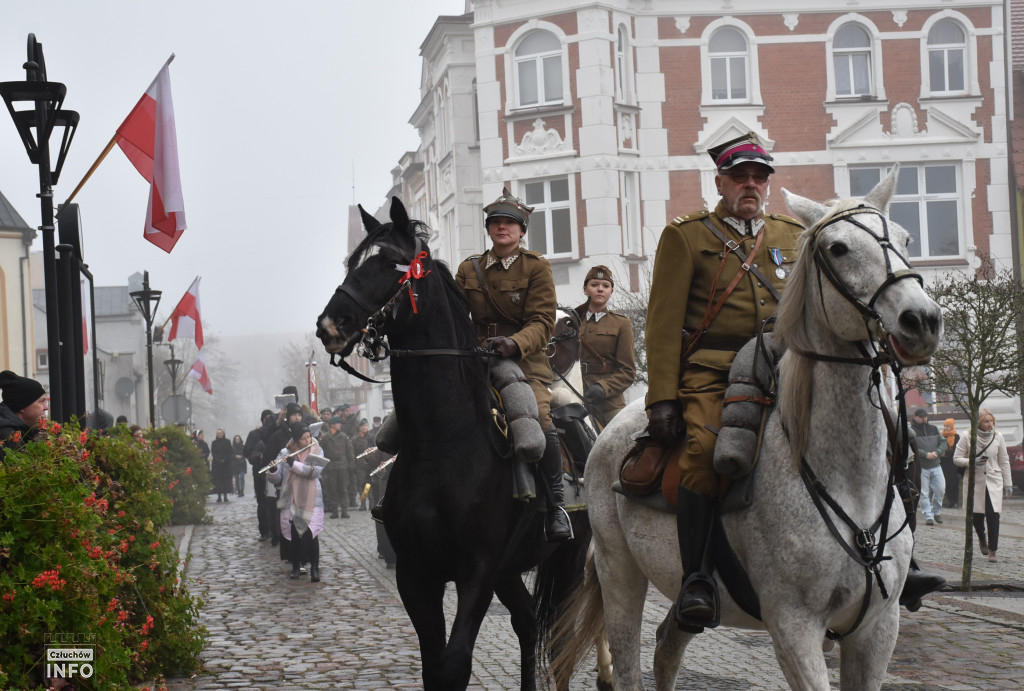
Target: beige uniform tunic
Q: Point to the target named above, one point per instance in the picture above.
(607, 358)
(688, 257)
(525, 291)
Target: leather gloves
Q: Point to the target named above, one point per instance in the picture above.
(665, 423)
(504, 346)
(595, 393)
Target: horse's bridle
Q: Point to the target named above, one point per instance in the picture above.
(372, 345)
(867, 551)
(872, 319)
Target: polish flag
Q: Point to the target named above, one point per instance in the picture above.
(185, 321)
(199, 373)
(314, 405)
(149, 140)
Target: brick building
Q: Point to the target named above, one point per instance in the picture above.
(600, 114)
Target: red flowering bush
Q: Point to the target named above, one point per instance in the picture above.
(83, 551)
(188, 480)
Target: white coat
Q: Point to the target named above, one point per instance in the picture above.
(995, 473)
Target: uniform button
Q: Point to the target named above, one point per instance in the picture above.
(760, 285)
(762, 302)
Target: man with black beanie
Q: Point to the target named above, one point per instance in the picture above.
(253, 452)
(24, 406)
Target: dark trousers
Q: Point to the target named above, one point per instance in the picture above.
(304, 549)
(259, 487)
(992, 519)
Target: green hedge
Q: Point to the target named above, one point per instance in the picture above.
(83, 552)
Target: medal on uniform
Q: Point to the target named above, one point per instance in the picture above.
(777, 259)
(515, 298)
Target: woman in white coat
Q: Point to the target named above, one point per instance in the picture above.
(992, 479)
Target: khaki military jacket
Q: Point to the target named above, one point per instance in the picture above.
(687, 259)
(526, 293)
(338, 448)
(609, 360)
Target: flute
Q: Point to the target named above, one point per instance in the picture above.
(367, 452)
(383, 466)
(278, 461)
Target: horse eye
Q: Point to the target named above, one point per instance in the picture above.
(838, 249)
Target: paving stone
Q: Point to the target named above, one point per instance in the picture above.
(271, 633)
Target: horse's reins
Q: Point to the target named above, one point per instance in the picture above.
(868, 553)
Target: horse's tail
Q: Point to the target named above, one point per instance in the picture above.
(578, 626)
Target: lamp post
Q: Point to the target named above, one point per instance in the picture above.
(147, 300)
(45, 115)
(173, 366)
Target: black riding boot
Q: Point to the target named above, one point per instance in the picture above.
(557, 527)
(918, 584)
(697, 606)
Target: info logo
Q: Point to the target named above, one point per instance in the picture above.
(68, 656)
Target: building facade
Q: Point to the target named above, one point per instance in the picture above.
(17, 351)
(600, 115)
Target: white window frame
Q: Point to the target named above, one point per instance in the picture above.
(919, 250)
(538, 59)
(874, 49)
(970, 56)
(729, 59)
(624, 92)
(945, 49)
(545, 209)
(752, 68)
(631, 228)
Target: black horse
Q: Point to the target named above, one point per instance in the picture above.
(449, 509)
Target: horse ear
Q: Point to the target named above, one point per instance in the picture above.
(879, 196)
(399, 216)
(369, 222)
(808, 212)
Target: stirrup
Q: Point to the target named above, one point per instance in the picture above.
(568, 522)
(685, 623)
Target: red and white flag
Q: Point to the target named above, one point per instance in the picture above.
(185, 320)
(199, 373)
(314, 405)
(149, 140)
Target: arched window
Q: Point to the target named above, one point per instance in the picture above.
(622, 82)
(727, 54)
(947, 45)
(851, 57)
(538, 65)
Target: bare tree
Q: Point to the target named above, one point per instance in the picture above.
(980, 354)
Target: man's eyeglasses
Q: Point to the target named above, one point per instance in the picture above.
(739, 177)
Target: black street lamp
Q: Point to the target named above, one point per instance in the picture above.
(177, 407)
(44, 116)
(147, 300)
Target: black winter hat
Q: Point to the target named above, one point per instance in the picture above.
(297, 429)
(292, 408)
(19, 392)
(265, 414)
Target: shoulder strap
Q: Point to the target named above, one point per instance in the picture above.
(487, 293)
(734, 247)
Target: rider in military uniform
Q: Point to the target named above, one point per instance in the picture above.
(607, 361)
(511, 294)
(717, 277)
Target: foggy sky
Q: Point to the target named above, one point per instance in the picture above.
(277, 105)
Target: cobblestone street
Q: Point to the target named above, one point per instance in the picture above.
(350, 631)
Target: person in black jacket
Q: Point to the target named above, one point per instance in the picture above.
(221, 468)
(253, 452)
(22, 411)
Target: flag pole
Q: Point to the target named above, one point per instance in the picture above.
(103, 154)
(92, 169)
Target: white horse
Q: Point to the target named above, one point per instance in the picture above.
(844, 298)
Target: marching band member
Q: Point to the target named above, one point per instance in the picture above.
(298, 469)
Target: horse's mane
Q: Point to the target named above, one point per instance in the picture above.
(792, 329)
